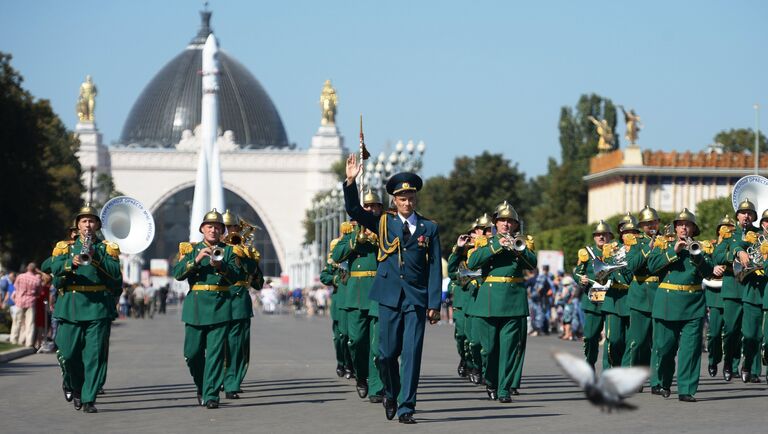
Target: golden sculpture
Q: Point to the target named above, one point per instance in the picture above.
(86, 102)
(605, 144)
(328, 103)
(633, 125)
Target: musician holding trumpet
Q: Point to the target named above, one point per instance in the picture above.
(210, 269)
(502, 302)
(679, 307)
(85, 271)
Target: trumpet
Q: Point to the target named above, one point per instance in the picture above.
(604, 269)
(466, 275)
(233, 238)
(85, 250)
(217, 254)
(693, 246)
(515, 243)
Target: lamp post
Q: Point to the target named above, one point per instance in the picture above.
(757, 137)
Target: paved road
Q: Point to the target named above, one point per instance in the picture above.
(291, 387)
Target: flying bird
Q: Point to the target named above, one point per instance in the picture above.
(610, 389)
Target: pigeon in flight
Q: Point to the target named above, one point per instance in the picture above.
(610, 389)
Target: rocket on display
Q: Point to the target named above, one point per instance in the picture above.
(209, 192)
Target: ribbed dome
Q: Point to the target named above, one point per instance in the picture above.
(171, 102)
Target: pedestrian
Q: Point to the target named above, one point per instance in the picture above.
(28, 286)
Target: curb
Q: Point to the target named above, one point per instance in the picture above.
(7, 356)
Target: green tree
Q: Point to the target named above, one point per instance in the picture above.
(104, 188)
(740, 140)
(474, 186)
(562, 191)
(41, 172)
(710, 212)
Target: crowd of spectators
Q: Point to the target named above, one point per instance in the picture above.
(554, 304)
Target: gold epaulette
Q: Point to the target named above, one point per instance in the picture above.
(481, 241)
(254, 254)
(61, 248)
(239, 251)
(530, 243)
(660, 242)
(725, 232)
(184, 249)
(608, 249)
(750, 237)
(707, 247)
(113, 249)
(629, 239)
(583, 256)
(346, 228)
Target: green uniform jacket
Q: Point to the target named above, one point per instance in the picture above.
(77, 305)
(361, 258)
(641, 292)
(753, 286)
(459, 293)
(586, 268)
(679, 269)
(500, 299)
(246, 268)
(206, 307)
(617, 296)
(331, 276)
(712, 295)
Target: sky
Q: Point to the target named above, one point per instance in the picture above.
(462, 76)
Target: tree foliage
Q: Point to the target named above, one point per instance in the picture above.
(476, 185)
(563, 193)
(40, 170)
(710, 212)
(740, 140)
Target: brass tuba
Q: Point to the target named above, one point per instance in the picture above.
(126, 222)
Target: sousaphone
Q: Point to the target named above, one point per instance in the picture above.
(126, 222)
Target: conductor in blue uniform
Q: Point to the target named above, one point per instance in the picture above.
(407, 285)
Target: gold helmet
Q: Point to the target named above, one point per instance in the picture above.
(648, 215)
(602, 228)
(687, 216)
(371, 198)
(628, 218)
(629, 227)
(211, 216)
(87, 211)
(474, 225)
(505, 211)
(485, 221)
(747, 206)
(229, 218)
(765, 216)
(728, 221)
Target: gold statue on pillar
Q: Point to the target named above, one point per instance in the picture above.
(86, 102)
(328, 103)
(605, 143)
(633, 123)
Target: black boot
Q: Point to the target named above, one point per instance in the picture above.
(656, 390)
(461, 370)
(727, 374)
(76, 401)
(339, 371)
(492, 394)
(67, 393)
(686, 398)
(362, 388)
(89, 408)
(390, 408)
(712, 369)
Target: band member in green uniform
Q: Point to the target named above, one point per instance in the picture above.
(331, 276)
(753, 287)
(502, 301)
(679, 308)
(713, 297)
(210, 267)
(591, 301)
(473, 325)
(358, 249)
(239, 335)
(457, 272)
(616, 304)
(642, 289)
(85, 271)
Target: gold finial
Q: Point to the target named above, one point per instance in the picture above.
(328, 103)
(86, 102)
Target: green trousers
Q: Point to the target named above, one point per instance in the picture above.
(593, 325)
(732, 313)
(359, 340)
(765, 339)
(639, 336)
(338, 346)
(238, 354)
(668, 338)
(458, 333)
(81, 355)
(475, 339)
(751, 332)
(204, 348)
(715, 336)
(503, 352)
(103, 369)
(343, 338)
(615, 345)
(375, 385)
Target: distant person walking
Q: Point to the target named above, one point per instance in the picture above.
(28, 286)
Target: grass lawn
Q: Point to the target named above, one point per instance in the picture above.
(5, 346)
